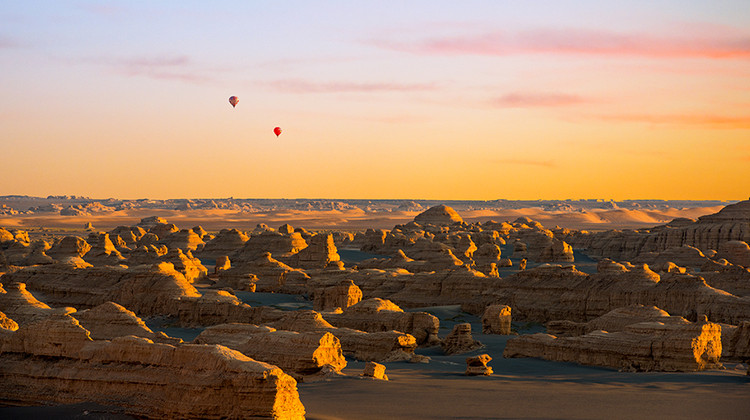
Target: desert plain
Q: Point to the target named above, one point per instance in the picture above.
(372, 309)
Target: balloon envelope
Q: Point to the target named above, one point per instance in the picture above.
(277, 131)
(233, 100)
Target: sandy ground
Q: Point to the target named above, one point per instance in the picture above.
(351, 220)
(518, 389)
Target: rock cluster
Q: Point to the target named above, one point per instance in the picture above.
(477, 365)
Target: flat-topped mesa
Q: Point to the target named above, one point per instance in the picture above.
(110, 320)
(54, 361)
(305, 353)
(375, 315)
(384, 346)
(460, 340)
(671, 344)
(440, 215)
(342, 295)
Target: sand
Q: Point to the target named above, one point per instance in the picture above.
(350, 220)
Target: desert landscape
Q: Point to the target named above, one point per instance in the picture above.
(443, 316)
(358, 210)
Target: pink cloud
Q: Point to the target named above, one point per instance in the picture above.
(178, 68)
(530, 100)
(709, 121)
(304, 86)
(580, 42)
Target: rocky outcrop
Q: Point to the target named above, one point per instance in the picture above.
(7, 324)
(21, 306)
(321, 253)
(496, 320)
(460, 340)
(736, 252)
(735, 342)
(226, 242)
(54, 361)
(103, 251)
(186, 263)
(69, 246)
(672, 344)
(708, 232)
(375, 315)
(185, 239)
(613, 321)
(477, 365)
(147, 290)
(281, 245)
(110, 320)
(303, 353)
(375, 371)
(343, 295)
(441, 215)
(272, 275)
(385, 346)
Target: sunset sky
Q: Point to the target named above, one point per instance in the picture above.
(428, 99)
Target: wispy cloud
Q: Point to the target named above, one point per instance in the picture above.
(531, 100)
(7, 43)
(178, 67)
(526, 162)
(701, 120)
(579, 42)
(305, 86)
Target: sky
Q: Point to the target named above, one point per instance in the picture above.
(470, 100)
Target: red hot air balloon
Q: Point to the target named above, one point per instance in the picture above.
(277, 131)
(233, 100)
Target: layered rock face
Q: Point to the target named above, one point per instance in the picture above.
(343, 295)
(735, 342)
(272, 275)
(226, 242)
(110, 320)
(375, 371)
(54, 361)
(732, 223)
(672, 344)
(385, 346)
(613, 321)
(21, 306)
(477, 365)
(460, 340)
(554, 292)
(496, 320)
(147, 290)
(321, 253)
(300, 353)
(375, 315)
(736, 252)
